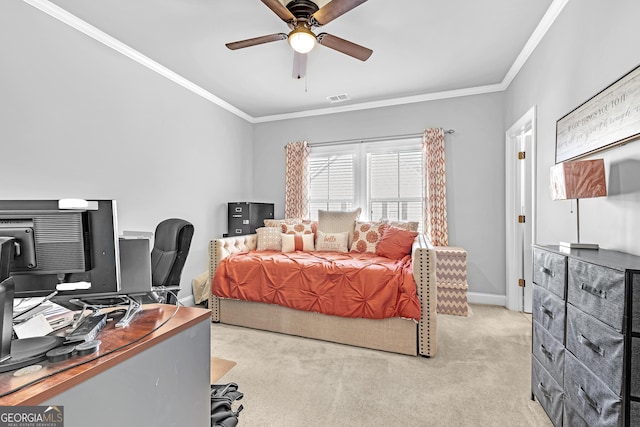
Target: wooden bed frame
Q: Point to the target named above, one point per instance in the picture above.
(398, 335)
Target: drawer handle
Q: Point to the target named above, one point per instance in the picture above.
(545, 310)
(593, 291)
(547, 271)
(590, 401)
(594, 347)
(546, 352)
(544, 391)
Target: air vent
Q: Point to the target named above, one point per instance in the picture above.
(338, 98)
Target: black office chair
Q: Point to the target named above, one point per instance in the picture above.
(170, 249)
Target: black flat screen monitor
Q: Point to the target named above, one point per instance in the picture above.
(62, 248)
(16, 353)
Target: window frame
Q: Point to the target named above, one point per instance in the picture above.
(360, 150)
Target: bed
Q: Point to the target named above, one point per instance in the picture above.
(398, 334)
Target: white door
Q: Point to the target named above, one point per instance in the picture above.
(520, 202)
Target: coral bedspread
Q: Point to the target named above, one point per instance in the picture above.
(343, 284)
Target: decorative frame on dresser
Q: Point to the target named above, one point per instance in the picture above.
(585, 367)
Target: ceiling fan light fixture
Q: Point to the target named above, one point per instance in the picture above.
(302, 40)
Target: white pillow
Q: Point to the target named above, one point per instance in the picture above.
(338, 222)
(269, 238)
(297, 242)
(336, 242)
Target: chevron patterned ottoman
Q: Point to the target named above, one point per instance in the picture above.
(451, 280)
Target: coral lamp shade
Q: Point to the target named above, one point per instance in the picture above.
(578, 180)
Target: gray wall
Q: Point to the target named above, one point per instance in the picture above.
(91, 123)
(591, 44)
(475, 167)
(78, 119)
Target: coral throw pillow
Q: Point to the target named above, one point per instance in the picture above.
(367, 235)
(395, 242)
(297, 242)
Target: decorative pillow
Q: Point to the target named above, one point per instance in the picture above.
(269, 238)
(279, 222)
(395, 242)
(367, 235)
(338, 222)
(336, 242)
(302, 227)
(297, 242)
(407, 225)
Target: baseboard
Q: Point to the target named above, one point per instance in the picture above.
(486, 299)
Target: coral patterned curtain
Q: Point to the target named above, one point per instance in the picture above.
(296, 203)
(435, 197)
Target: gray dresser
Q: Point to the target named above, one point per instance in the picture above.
(585, 365)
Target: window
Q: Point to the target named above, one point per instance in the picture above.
(384, 178)
(331, 183)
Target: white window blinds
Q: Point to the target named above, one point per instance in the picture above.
(332, 184)
(385, 179)
(395, 185)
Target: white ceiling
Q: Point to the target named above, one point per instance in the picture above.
(422, 49)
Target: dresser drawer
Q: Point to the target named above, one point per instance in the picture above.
(549, 352)
(549, 271)
(597, 345)
(635, 367)
(547, 391)
(634, 413)
(597, 290)
(549, 311)
(588, 396)
(635, 289)
(572, 418)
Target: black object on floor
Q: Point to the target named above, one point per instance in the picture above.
(222, 398)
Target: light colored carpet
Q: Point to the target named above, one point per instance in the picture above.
(480, 377)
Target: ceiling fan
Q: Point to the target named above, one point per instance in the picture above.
(302, 16)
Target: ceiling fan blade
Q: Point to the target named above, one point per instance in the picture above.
(256, 40)
(345, 46)
(334, 9)
(299, 65)
(279, 10)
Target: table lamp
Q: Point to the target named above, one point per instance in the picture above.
(578, 180)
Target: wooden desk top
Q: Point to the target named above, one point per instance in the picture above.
(109, 354)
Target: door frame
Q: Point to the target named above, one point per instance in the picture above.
(514, 298)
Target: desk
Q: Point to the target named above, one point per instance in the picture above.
(162, 380)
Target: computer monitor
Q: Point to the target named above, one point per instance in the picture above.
(59, 246)
(16, 353)
(68, 246)
(7, 250)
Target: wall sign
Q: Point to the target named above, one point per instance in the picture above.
(610, 118)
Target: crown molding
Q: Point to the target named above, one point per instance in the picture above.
(383, 103)
(73, 21)
(536, 37)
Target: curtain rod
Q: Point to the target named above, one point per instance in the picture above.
(375, 139)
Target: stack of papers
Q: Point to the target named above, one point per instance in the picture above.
(34, 318)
